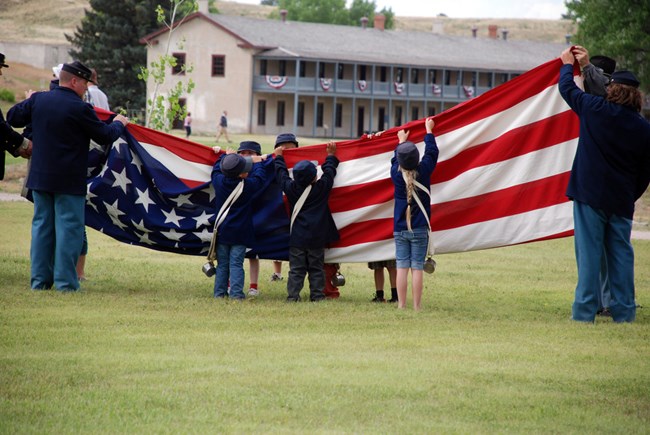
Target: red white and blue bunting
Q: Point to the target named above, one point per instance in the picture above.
(363, 85)
(399, 87)
(326, 84)
(276, 82)
(437, 90)
(469, 91)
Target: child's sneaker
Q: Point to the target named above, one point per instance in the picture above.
(276, 277)
(253, 292)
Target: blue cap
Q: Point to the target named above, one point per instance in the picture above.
(78, 69)
(625, 78)
(304, 172)
(249, 145)
(408, 155)
(232, 165)
(286, 137)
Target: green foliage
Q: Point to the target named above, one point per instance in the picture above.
(144, 348)
(618, 29)
(162, 110)
(7, 95)
(333, 12)
(108, 39)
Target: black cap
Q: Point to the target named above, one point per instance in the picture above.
(625, 78)
(249, 145)
(304, 172)
(286, 137)
(408, 155)
(2, 61)
(607, 64)
(232, 165)
(78, 69)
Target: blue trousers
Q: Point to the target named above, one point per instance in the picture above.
(596, 235)
(230, 267)
(57, 237)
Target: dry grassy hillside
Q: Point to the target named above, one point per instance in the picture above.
(47, 21)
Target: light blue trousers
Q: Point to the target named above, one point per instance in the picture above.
(598, 235)
(57, 237)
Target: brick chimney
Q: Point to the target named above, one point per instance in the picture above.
(283, 15)
(380, 20)
(364, 22)
(492, 31)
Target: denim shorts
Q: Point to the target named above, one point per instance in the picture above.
(411, 248)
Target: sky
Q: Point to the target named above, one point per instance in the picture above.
(544, 9)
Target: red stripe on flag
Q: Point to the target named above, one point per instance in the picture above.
(506, 202)
(517, 142)
(361, 195)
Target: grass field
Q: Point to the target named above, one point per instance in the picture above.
(145, 348)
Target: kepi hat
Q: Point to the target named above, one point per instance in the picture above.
(286, 137)
(408, 155)
(304, 172)
(78, 69)
(625, 78)
(249, 145)
(232, 165)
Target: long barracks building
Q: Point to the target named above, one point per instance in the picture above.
(323, 80)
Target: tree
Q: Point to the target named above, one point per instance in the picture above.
(333, 11)
(620, 30)
(108, 40)
(316, 11)
(162, 110)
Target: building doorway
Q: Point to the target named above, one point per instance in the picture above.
(360, 121)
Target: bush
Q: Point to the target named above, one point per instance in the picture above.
(7, 95)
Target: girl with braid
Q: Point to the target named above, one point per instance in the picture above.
(410, 226)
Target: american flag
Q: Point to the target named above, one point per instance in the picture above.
(505, 159)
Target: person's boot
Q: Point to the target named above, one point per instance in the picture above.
(393, 295)
(379, 296)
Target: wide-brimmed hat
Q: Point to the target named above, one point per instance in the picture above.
(232, 165)
(408, 155)
(78, 69)
(304, 172)
(286, 137)
(607, 64)
(249, 145)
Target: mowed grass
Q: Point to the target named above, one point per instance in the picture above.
(144, 348)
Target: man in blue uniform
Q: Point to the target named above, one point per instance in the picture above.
(62, 127)
(10, 140)
(611, 170)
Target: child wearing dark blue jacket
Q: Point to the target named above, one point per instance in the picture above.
(410, 225)
(236, 230)
(312, 228)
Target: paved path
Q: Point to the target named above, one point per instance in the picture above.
(640, 235)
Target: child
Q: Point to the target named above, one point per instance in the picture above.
(410, 226)
(378, 268)
(313, 228)
(286, 141)
(236, 231)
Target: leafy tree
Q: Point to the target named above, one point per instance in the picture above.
(316, 11)
(162, 110)
(108, 40)
(360, 9)
(333, 11)
(618, 29)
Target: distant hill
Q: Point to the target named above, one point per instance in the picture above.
(47, 21)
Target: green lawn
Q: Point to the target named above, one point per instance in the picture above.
(144, 348)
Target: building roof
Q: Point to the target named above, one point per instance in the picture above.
(336, 43)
